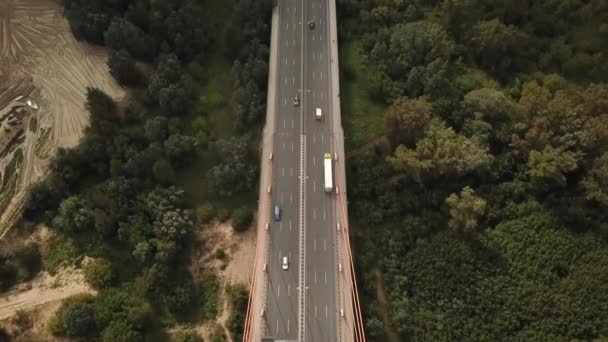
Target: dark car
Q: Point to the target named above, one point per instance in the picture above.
(311, 24)
(277, 213)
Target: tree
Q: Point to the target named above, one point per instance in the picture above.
(122, 34)
(156, 129)
(406, 120)
(190, 336)
(167, 72)
(595, 183)
(121, 331)
(236, 172)
(498, 48)
(465, 210)
(77, 319)
(551, 164)
(241, 219)
(181, 148)
(122, 67)
(442, 152)
(99, 273)
(73, 215)
(163, 171)
(100, 105)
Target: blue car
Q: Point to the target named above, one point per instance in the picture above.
(277, 213)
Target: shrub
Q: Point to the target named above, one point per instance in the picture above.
(241, 219)
(205, 212)
(220, 254)
(98, 273)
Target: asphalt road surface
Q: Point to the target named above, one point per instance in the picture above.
(321, 310)
(282, 316)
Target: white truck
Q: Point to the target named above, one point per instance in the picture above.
(328, 175)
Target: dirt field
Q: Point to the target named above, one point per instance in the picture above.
(240, 250)
(44, 73)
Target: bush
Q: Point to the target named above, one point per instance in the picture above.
(223, 214)
(74, 318)
(190, 336)
(98, 273)
(239, 296)
(61, 249)
(205, 212)
(220, 254)
(241, 219)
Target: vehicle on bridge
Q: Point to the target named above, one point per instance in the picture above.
(277, 213)
(328, 174)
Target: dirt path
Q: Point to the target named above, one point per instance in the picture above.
(384, 308)
(44, 289)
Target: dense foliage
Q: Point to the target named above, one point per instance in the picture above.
(484, 215)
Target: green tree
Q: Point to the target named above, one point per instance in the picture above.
(74, 215)
(595, 183)
(99, 273)
(236, 171)
(406, 120)
(100, 105)
(122, 34)
(181, 148)
(121, 331)
(77, 319)
(551, 164)
(163, 171)
(497, 47)
(442, 152)
(190, 336)
(122, 67)
(242, 219)
(465, 210)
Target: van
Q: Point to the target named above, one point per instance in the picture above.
(318, 114)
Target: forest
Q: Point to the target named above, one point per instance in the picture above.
(481, 212)
(119, 197)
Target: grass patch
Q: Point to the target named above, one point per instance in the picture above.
(9, 181)
(61, 249)
(363, 119)
(209, 287)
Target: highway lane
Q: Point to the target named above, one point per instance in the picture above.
(321, 267)
(282, 315)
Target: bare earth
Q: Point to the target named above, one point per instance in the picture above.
(44, 73)
(45, 288)
(240, 250)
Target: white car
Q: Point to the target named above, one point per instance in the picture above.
(285, 263)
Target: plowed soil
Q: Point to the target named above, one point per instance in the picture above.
(44, 73)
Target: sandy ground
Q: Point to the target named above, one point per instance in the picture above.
(40, 61)
(43, 289)
(240, 250)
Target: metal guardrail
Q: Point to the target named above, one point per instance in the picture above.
(302, 280)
